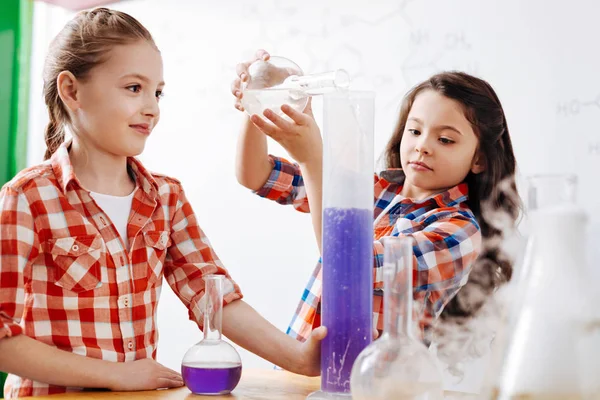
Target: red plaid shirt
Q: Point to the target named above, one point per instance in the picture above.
(446, 234)
(67, 280)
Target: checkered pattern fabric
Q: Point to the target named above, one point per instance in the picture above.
(446, 234)
(67, 280)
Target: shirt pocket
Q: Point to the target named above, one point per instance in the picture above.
(157, 243)
(76, 261)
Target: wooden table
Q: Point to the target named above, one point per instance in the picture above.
(256, 384)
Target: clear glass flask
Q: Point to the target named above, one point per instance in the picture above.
(212, 366)
(280, 81)
(347, 238)
(397, 366)
(551, 345)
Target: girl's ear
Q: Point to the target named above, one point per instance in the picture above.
(478, 165)
(68, 87)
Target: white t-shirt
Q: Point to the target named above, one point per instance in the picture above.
(118, 209)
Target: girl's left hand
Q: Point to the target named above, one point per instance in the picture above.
(310, 353)
(301, 137)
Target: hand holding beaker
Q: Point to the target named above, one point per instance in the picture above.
(301, 137)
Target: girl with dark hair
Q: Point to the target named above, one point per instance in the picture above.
(449, 155)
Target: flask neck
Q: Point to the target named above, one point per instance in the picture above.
(397, 288)
(317, 84)
(213, 307)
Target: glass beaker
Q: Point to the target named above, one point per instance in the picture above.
(347, 238)
(541, 355)
(280, 81)
(212, 366)
(397, 366)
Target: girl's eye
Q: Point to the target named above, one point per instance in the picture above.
(159, 94)
(134, 88)
(446, 141)
(414, 132)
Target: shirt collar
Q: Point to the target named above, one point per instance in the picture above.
(448, 198)
(63, 170)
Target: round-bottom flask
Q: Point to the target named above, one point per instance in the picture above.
(280, 81)
(397, 366)
(212, 366)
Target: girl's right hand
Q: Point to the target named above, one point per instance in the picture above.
(144, 374)
(300, 136)
(242, 76)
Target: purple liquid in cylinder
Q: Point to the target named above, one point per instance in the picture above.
(207, 378)
(347, 308)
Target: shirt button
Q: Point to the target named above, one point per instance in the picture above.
(130, 345)
(126, 302)
(75, 247)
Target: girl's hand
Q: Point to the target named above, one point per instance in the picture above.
(310, 353)
(301, 137)
(269, 76)
(242, 76)
(144, 374)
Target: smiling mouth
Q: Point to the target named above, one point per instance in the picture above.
(143, 129)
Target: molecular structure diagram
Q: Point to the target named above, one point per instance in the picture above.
(326, 50)
(575, 107)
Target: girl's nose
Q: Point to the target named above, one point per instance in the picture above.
(422, 147)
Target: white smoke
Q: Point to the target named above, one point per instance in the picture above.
(459, 340)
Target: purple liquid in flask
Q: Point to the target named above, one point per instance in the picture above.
(212, 366)
(204, 378)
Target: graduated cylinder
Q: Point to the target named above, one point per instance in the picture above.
(347, 304)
